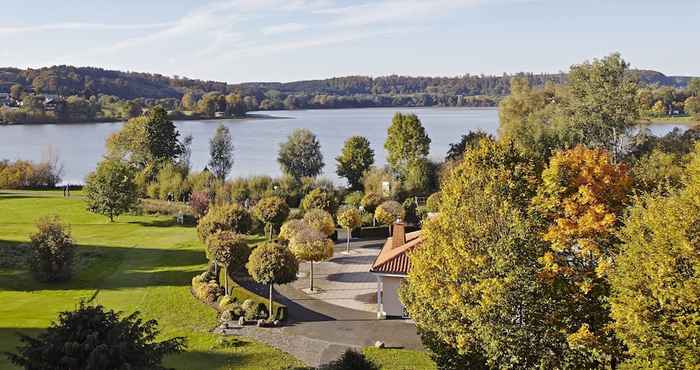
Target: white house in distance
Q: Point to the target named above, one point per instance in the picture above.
(390, 267)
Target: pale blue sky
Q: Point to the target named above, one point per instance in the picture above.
(285, 40)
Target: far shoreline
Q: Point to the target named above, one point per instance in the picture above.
(178, 119)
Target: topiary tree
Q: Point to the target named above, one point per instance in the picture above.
(271, 211)
(111, 190)
(52, 253)
(290, 228)
(354, 199)
(92, 338)
(370, 202)
(272, 263)
(320, 220)
(388, 212)
(228, 250)
(230, 217)
(319, 198)
(301, 155)
(349, 218)
(312, 246)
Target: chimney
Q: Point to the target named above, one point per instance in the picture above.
(398, 237)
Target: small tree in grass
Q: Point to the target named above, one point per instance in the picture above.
(349, 218)
(231, 217)
(320, 220)
(111, 190)
(312, 246)
(388, 212)
(271, 211)
(52, 250)
(92, 338)
(228, 250)
(351, 360)
(272, 263)
(290, 228)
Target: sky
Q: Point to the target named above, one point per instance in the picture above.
(288, 40)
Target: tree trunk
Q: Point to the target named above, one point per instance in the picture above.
(312, 275)
(270, 316)
(270, 237)
(347, 245)
(226, 280)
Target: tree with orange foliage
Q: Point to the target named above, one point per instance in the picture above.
(581, 201)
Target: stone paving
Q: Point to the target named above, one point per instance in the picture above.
(345, 280)
(341, 315)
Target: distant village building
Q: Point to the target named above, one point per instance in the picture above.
(5, 99)
(391, 267)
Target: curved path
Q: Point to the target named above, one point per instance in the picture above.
(319, 329)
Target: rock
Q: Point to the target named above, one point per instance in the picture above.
(379, 344)
(276, 323)
(241, 321)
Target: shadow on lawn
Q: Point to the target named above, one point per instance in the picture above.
(9, 340)
(101, 267)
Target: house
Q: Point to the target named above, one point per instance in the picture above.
(391, 267)
(5, 99)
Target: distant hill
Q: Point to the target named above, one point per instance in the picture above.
(88, 81)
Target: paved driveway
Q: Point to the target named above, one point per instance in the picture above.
(345, 280)
(341, 315)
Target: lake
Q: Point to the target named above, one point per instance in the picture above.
(256, 140)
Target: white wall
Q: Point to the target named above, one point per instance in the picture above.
(392, 304)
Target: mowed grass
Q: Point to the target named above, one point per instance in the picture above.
(138, 263)
(399, 359)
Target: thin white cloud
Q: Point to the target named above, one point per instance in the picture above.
(79, 26)
(283, 28)
(391, 10)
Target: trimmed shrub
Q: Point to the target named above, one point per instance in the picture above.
(250, 309)
(272, 211)
(354, 199)
(52, 253)
(320, 220)
(389, 211)
(228, 249)
(206, 291)
(229, 217)
(290, 228)
(371, 201)
(321, 199)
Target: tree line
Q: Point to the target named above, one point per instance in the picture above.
(88, 94)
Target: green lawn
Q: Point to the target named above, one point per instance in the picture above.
(138, 263)
(399, 359)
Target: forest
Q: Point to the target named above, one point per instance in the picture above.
(79, 94)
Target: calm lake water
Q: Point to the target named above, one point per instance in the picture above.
(256, 140)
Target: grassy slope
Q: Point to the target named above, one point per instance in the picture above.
(137, 263)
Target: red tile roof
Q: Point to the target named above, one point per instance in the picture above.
(396, 261)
